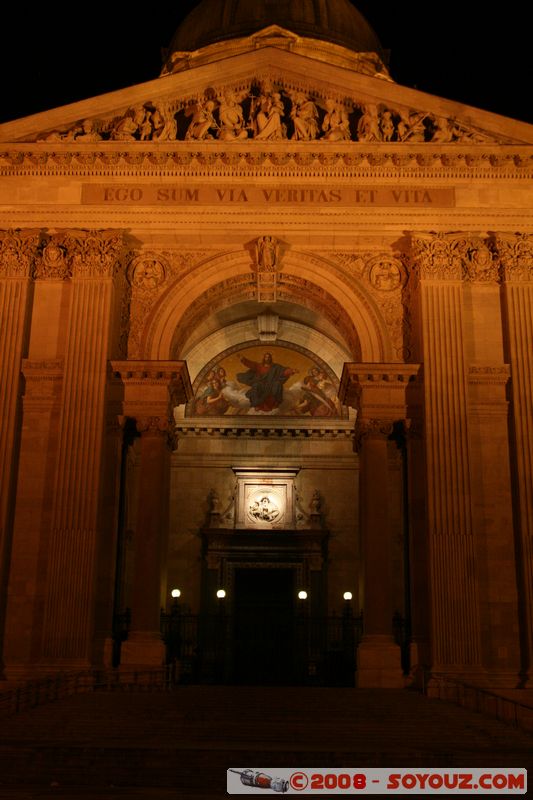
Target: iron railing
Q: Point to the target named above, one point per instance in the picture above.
(31, 694)
(210, 648)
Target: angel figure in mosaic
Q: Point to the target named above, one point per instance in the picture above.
(230, 115)
(335, 125)
(304, 115)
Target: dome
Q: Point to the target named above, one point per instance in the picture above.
(335, 21)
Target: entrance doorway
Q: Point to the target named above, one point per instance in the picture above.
(264, 630)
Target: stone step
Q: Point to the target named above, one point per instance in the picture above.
(185, 740)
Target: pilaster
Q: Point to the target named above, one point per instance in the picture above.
(150, 392)
(453, 576)
(94, 259)
(380, 393)
(17, 257)
(516, 258)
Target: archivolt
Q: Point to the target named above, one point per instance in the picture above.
(303, 279)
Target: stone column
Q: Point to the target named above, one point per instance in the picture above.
(377, 389)
(17, 255)
(455, 618)
(76, 516)
(151, 391)
(516, 256)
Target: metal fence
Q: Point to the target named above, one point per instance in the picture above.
(31, 694)
(312, 651)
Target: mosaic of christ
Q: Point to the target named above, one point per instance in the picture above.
(272, 381)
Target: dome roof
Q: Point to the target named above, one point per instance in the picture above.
(335, 21)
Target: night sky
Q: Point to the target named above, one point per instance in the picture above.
(51, 57)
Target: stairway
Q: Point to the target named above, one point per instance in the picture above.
(174, 744)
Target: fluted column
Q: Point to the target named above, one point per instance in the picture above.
(455, 628)
(380, 393)
(17, 256)
(151, 391)
(516, 257)
(68, 626)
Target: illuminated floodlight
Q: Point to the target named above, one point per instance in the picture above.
(175, 593)
(221, 594)
(302, 595)
(347, 595)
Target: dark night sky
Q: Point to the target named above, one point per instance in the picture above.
(51, 57)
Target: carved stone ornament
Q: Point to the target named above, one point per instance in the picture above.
(153, 426)
(18, 250)
(438, 256)
(148, 272)
(95, 254)
(516, 256)
(267, 254)
(479, 262)
(53, 262)
(371, 429)
(385, 273)
(270, 109)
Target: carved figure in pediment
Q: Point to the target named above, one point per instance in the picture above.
(163, 122)
(304, 115)
(202, 120)
(335, 125)
(62, 136)
(368, 129)
(267, 113)
(132, 125)
(88, 132)
(230, 115)
(411, 127)
(443, 130)
(386, 125)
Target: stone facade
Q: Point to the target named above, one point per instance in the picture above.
(243, 205)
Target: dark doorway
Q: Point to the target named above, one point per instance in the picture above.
(263, 652)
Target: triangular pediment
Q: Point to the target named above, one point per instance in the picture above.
(267, 95)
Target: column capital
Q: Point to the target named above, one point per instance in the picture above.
(378, 391)
(152, 388)
(95, 254)
(153, 426)
(454, 257)
(379, 429)
(18, 251)
(515, 252)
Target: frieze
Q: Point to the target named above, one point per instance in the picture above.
(345, 163)
(268, 108)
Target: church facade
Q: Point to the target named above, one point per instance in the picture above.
(267, 341)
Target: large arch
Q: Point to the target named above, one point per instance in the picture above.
(303, 279)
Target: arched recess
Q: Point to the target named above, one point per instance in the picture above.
(302, 280)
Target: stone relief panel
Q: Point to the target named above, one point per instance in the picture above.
(274, 381)
(269, 108)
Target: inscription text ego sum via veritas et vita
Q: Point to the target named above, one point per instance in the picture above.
(157, 194)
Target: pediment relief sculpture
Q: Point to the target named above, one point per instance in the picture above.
(268, 110)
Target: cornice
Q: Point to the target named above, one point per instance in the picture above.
(285, 159)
